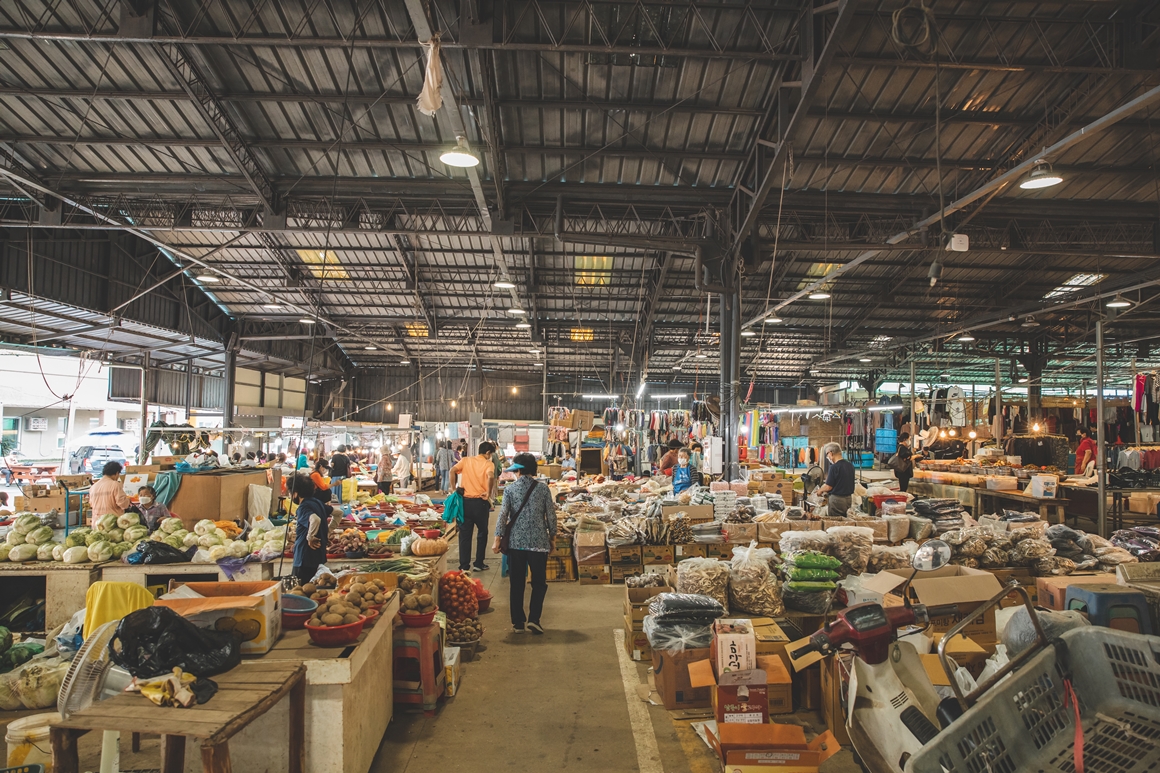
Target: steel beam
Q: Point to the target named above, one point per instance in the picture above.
(1148, 98)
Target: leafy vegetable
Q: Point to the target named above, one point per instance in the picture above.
(190, 539)
(39, 684)
(18, 654)
(128, 519)
(100, 551)
(217, 552)
(76, 555)
(173, 541)
(93, 537)
(116, 535)
(14, 538)
(4, 551)
(238, 549)
(21, 553)
(25, 523)
(39, 535)
(105, 522)
(203, 527)
(135, 533)
(57, 552)
(44, 552)
(209, 540)
(5, 639)
(172, 525)
(74, 538)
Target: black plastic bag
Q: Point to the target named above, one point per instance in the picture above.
(685, 608)
(155, 640)
(152, 552)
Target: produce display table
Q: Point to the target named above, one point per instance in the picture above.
(964, 494)
(349, 701)
(244, 694)
(1050, 509)
(437, 565)
(159, 574)
(1119, 514)
(65, 586)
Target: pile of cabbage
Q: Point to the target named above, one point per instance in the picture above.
(213, 543)
(110, 537)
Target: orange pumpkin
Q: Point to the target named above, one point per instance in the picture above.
(429, 547)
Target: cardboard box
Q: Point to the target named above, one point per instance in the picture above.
(657, 554)
(451, 670)
(963, 650)
(218, 496)
(779, 683)
(767, 747)
(582, 420)
(693, 513)
(588, 547)
(966, 587)
(719, 550)
(772, 531)
(561, 569)
(625, 555)
(635, 642)
(142, 469)
(769, 639)
(49, 500)
(738, 696)
(594, 574)
(742, 533)
(619, 572)
(252, 608)
(551, 471)
(734, 645)
(691, 550)
(671, 679)
(1053, 590)
(637, 600)
(834, 686)
(83, 480)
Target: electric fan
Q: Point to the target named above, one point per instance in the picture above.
(92, 677)
(812, 478)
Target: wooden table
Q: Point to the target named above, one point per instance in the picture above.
(30, 473)
(964, 494)
(244, 694)
(1050, 509)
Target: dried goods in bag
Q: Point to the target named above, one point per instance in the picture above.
(852, 545)
(705, 577)
(752, 587)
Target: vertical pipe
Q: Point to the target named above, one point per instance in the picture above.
(1136, 418)
(725, 383)
(735, 371)
(142, 451)
(189, 391)
(1101, 440)
(230, 366)
(544, 387)
(999, 397)
(913, 418)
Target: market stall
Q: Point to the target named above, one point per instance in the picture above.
(61, 586)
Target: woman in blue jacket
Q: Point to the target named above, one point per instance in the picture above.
(683, 472)
(311, 519)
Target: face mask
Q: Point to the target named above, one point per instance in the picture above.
(146, 501)
(684, 462)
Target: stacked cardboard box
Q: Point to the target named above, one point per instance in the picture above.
(636, 601)
(561, 564)
(723, 504)
(592, 566)
(691, 550)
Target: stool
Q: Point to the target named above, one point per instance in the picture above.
(1111, 606)
(420, 679)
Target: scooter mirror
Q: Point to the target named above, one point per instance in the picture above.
(932, 554)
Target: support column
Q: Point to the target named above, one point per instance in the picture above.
(730, 323)
(999, 394)
(189, 391)
(913, 418)
(231, 361)
(1101, 440)
(142, 451)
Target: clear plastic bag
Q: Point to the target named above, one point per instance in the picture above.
(1027, 552)
(1052, 566)
(798, 541)
(883, 557)
(705, 577)
(676, 637)
(920, 528)
(752, 587)
(1020, 632)
(852, 546)
(897, 527)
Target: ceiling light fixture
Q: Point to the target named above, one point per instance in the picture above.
(404, 362)
(640, 390)
(209, 278)
(972, 434)
(935, 272)
(460, 155)
(517, 311)
(515, 390)
(701, 356)
(966, 338)
(747, 334)
(370, 348)
(272, 306)
(773, 319)
(1040, 177)
(677, 367)
(1119, 302)
(523, 325)
(504, 284)
(454, 404)
(864, 359)
(307, 321)
(819, 295)
(390, 407)
(1030, 322)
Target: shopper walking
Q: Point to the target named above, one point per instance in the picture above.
(1085, 452)
(903, 462)
(107, 495)
(528, 520)
(839, 481)
(475, 480)
(444, 461)
(383, 470)
(339, 470)
(321, 480)
(310, 534)
(402, 469)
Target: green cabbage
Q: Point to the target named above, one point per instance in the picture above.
(173, 541)
(217, 552)
(44, 552)
(116, 535)
(158, 536)
(76, 555)
(39, 535)
(135, 533)
(181, 534)
(121, 548)
(14, 538)
(171, 525)
(105, 522)
(221, 534)
(74, 538)
(25, 523)
(238, 549)
(127, 520)
(209, 540)
(100, 551)
(5, 639)
(190, 540)
(203, 527)
(21, 553)
(93, 537)
(39, 683)
(4, 551)
(19, 654)
(57, 552)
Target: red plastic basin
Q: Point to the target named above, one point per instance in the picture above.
(418, 621)
(336, 635)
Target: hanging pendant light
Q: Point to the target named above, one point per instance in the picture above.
(460, 155)
(1119, 302)
(1040, 177)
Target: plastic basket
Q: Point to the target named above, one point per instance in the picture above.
(1022, 723)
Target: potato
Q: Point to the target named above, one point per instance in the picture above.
(380, 598)
(316, 620)
(309, 588)
(353, 598)
(369, 596)
(426, 600)
(331, 619)
(411, 603)
(358, 587)
(297, 592)
(348, 619)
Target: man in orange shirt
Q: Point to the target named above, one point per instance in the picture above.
(474, 478)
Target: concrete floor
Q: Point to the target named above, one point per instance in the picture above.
(553, 702)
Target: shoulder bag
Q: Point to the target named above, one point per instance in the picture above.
(505, 540)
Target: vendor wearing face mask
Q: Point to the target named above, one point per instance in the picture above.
(311, 530)
(683, 472)
(152, 511)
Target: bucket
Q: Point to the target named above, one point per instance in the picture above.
(27, 740)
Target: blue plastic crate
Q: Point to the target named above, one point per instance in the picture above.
(886, 441)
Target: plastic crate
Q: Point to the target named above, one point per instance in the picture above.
(1022, 723)
(886, 441)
